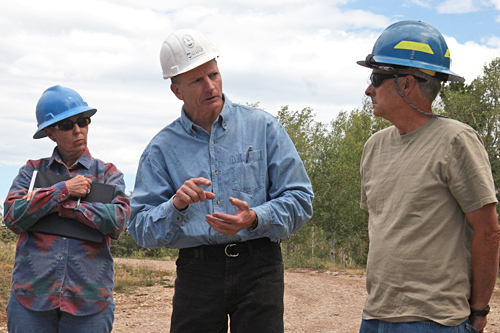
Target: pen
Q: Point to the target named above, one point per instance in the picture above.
(248, 152)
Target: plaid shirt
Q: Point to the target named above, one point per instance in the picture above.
(53, 272)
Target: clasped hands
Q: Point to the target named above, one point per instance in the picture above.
(191, 191)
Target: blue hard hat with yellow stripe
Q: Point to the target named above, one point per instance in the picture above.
(413, 44)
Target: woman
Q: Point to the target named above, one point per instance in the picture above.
(63, 284)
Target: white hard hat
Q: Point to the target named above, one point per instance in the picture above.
(184, 50)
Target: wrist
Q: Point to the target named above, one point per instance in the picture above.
(177, 204)
(255, 222)
(482, 312)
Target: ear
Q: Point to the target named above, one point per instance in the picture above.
(49, 133)
(409, 84)
(176, 90)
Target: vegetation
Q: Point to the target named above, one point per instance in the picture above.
(338, 231)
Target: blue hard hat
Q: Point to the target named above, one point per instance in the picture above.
(58, 103)
(413, 44)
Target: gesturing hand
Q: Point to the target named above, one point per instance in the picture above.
(191, 192)
(232, 224)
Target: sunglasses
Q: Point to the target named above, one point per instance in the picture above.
(378, 78)
(68, 124)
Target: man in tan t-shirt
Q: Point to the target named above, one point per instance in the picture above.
(427, 185)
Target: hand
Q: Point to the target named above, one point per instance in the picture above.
(479, 322)
(30, 195)
(191, 192)
(232, 224)
(79, 186)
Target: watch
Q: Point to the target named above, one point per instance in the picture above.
(480, 313)
(255, 222)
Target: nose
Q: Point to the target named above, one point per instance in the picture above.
(370, 90)
(76, 129)
(208, 83)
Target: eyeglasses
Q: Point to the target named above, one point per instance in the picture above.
(68, 124)
(378, 78)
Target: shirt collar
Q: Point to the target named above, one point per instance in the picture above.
(85, 160)
(224, 117)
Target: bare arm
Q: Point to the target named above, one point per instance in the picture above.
(485, 245)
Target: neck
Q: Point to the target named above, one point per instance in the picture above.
(409, 124)
(69, 159)
(205, 120)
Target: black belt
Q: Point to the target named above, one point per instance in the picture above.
(221, 251)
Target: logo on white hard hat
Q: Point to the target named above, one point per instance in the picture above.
(188, 41)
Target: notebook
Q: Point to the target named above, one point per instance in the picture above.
(54, 224)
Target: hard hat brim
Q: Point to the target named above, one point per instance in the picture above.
(40, 133)
(382, 60)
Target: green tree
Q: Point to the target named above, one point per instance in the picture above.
(308, 246)
(337, 183)
(478, 105)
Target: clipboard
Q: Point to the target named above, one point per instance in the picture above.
(53, 224)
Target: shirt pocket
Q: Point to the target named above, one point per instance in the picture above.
(247, 171)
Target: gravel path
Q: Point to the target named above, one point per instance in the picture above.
(314, 302)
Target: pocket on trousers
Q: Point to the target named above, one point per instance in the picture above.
(470, 328)
(271, 253)
(185, 262)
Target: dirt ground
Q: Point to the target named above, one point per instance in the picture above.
(314, 302)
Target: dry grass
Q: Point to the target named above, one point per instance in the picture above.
(7, 253)
(128, 277)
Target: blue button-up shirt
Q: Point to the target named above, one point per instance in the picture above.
(248, 156)
(53, 272)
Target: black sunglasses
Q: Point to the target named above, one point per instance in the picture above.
(378, 78)
(68, 124)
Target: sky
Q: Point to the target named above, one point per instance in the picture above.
(295, 53)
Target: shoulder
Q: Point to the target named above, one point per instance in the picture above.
(253, 113)
(165, 137)
(381, 135)
(452, 130)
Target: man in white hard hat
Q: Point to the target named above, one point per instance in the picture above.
(223, 183)
(427, 185)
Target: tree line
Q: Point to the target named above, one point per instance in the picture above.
(332, 152)
(338, 230)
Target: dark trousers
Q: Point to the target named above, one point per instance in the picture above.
(243, 283)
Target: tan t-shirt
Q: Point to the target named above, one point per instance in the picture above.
(416, 188)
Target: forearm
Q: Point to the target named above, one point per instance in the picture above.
(485, 247)
(21, 214)
(284, 215)
(110, 218)
(155, 227)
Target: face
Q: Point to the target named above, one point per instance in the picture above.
(200, 89)
(71, 143)
(384, 97)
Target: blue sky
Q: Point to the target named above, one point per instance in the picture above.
(283, 52)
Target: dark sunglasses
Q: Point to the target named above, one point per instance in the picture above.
(68, 124)
(378, 78)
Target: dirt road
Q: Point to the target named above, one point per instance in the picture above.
(314, 302)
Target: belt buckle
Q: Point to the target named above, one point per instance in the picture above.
(229, 254)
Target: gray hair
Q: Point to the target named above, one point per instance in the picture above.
(430, 89)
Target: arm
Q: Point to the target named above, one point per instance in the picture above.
(154, 220)
(287, 204)
(485, 245)
(110, 218)
(21, 213)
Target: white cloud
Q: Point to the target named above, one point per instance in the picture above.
(457, 7)
(285, 52)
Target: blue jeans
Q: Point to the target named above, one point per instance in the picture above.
(210, 287)
(380, 326)
(23, 320)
